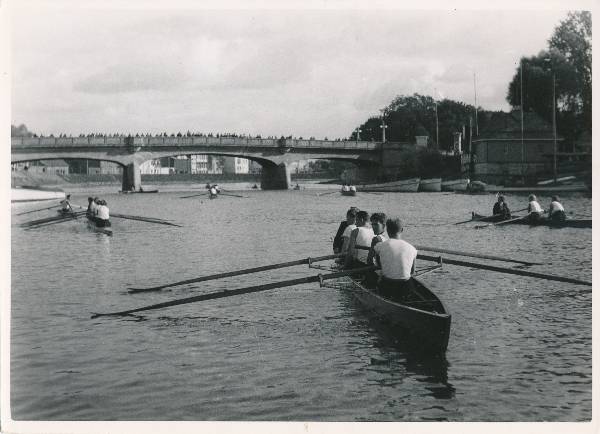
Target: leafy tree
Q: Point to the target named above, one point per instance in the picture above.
(569, 61)
(20, 131)
(406, 116)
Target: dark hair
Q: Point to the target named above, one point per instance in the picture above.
(378, 217)
(500, 198)
(393, 226)
(555, 198)
(362, 215)
(352, 212)
(90, 199)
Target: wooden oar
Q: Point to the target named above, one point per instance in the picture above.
(329, 192)
(233, 195)
(193, 195)
(503, 222)
(144, 219)
(57, 218)
(237, 273)
(37, 210)
(482, 219)
(475, 255)
(232, 292)
(505, 270)
(471, 255)
(53, 222)
(371, 192)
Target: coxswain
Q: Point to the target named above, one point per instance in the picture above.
(501, 208)
(397, 259)
(556, 211)
(338, 241)
(534, 209)
(360, 242)
(66, 205)
(102, 214)
(380, 235)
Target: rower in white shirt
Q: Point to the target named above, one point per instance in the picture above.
(360, 242)
(534, 209)
(556, 211)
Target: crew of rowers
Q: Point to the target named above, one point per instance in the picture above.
(98, 212)
(347, 187)
(375, 240)
(213, 190)
(556, 211)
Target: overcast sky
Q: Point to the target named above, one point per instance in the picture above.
(270, 72)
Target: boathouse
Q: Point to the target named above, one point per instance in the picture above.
(504, 154)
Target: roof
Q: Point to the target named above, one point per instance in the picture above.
(508, 125)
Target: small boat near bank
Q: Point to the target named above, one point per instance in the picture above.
(568, 223)
(34, 194)
(455, 184)
(431, 185)
(410, 185)
(423, 316)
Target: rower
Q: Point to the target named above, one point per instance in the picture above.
(213, 192)
(353, 188)
(378, 226)
(66, 205)
(103, 214)
(556, 212)
(91, 208)
(534, 209)
(345, 187)
(338, 241)
(397, 262)
(360, 242)
(501, 208)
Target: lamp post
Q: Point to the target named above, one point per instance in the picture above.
(554, 162)
(383, 127)
(357, 131)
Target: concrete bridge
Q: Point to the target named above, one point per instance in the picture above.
(274, 155)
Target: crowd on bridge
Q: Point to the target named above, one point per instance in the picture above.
(179, 134)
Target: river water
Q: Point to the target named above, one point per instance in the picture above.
(520, 349)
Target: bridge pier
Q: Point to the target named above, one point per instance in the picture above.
(132, 177)
(275, 177)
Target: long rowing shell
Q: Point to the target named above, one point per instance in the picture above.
(568, 223)
(104, 230)
(424, 316)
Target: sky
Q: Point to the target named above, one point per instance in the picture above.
(82, 68)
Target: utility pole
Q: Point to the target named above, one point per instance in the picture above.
(554, 123)
(475, 91)
(522, 109)
(437, 130)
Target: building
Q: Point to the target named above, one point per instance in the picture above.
(57, 167)
(502, 154)
(236, 165)
(421, 136)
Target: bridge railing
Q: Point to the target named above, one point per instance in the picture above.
(33, 142)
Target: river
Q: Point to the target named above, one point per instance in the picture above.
(520, 349)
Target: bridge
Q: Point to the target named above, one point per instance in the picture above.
(274, 155)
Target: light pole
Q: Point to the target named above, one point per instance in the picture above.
(357, 131)
(554, 162)
(383, 127)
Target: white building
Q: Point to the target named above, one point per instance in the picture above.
(236, 165)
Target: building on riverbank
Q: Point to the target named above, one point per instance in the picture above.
(504, 154)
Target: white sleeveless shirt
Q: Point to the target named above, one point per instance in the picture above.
(535, 207)
(397, 257)
(556, 206)
(363, 238)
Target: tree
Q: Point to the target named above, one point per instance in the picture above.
(569, 60)
(20, 131)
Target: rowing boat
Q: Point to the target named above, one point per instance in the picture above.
(455, 184)
(423, 315)
(137, 191)
(569, 223)
(403, 185)
(102, 229)
(351, 191)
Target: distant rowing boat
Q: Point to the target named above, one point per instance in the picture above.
(568, 223)
(138, 191)
(351, 191)
(403, 185)
(423, 315)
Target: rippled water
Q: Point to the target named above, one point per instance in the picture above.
(520, 349)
